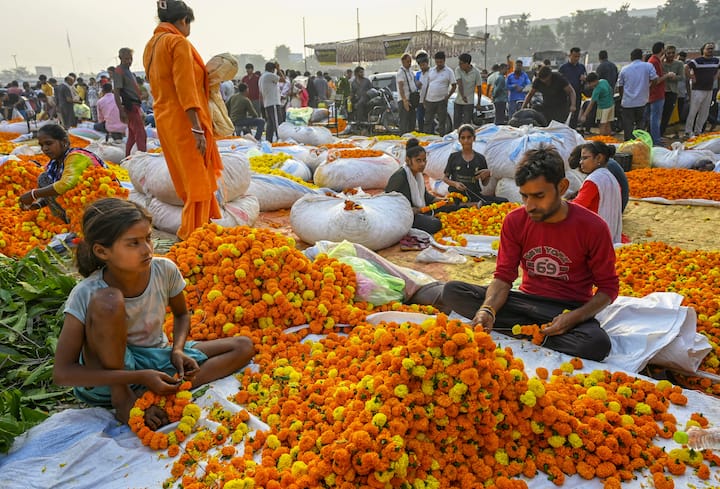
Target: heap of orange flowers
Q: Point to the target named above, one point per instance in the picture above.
(486, 220)
(353, 153)
(657, 267)
(674, 184)
(9, 136)
(438, 405)
(22, 230)
(239, 278)
(178, 407)
(603, 139)
(340, 145)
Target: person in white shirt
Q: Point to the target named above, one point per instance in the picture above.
(409, 95)
(227, 90)
(270, 95)
(441, 84)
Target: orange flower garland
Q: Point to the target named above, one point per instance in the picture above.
(353, 153)
(449, 199)
(674, 184)
(178, 407)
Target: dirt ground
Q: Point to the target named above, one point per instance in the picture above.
(689, 227)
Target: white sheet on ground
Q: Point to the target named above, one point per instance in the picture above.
(87, 448)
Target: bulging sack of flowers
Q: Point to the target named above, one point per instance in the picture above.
(362, 219)
(312, 135)
(276, 192)
(309, 155)
(242, 211)
(296, 168)
(87, 133)
(678, 157)
(351, 168)
(507, 147)
(149, 174)
(507, 189)
(114, 153)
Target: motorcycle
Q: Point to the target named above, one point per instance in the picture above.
(383, 109)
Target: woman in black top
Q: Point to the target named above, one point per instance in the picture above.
(467, 169)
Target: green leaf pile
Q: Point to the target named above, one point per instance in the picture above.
(33, 290)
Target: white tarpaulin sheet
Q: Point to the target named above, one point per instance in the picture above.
(87, 448)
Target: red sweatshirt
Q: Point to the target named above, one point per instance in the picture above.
(562, 260)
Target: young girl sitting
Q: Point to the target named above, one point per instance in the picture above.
(112, 344)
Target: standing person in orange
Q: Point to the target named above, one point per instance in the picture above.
(181, 89)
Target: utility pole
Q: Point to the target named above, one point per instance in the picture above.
(15, 58)
(304, 43)
(432, 26)
(357, 13)
(486, 38)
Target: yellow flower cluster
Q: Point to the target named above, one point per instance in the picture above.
(270, 163)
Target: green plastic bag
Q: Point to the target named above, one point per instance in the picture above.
(374, 285)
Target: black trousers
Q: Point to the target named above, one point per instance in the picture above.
(586, 340)
(632, 118)
(407, 119)
(670, 99)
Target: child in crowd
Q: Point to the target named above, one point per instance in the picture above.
(112, 345)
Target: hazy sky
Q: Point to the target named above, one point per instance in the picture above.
(34, 31)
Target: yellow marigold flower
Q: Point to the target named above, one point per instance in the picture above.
(575, 440)
(299, 468)
(516, 374)
(536, 386)
(338, 413)
(184, 428)
(401, 391)
(330, 479)
(517, 329)
(567, 367)
(680, 454)
(556, 441)
(374, 404)
(401, 465)
(398, 440)
(137, 412)
(501, 362)
(384, 476)
(614, 406)
(273, 420)
(501, 457)
(427, 387)
(435, 351)
(537, 428)
(528, 399)
(214, 294)
(285, 461)
(499, 417)
(597, 392)
(626, 420)
(642, 408)
(189, 420)
(419, 371)
(379, 420)
(408, 363)
(273, 442)
(624, 391)
(458, 391)
(184, 395)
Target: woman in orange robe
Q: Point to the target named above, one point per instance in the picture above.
(181, 91)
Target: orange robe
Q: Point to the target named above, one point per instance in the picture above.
(179, 81)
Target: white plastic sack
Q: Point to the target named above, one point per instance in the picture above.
(23, 150)
(275, 192)
(149, 174)
(309, 155)
(319, 217)
(139, 198)
(677, 157)
(312, 135)
(434, 255)
(21, 127)
(113, 153)
(439, 152)
(507, 189)
(87, 133)
(439, 187)
(505, 150)
(297, 169)
(242, 211)
(319, 115)
(344, 173)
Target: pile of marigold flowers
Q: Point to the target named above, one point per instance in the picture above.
(353, 153)
(657, 267)
(436, 405)
(603, 139)
(674, 184)
(706, 136)
(486, 220)
(21, 230)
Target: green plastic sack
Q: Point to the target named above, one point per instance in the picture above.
(373, 284)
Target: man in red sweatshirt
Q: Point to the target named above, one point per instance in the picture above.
(564, 250)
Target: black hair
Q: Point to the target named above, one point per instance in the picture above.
(104, 221)
(466, 128)
(658, 47)
(602, 55)
(242, 88)
(600, 148)
(574, 158)
(269, 66)
(575, 50)
(42, 77)
(495, 67)
(544, 161)
(358, 69)
(249, 66)
(439, 55)
(636, 53)
(107, 88)
(591, 77)
(413, 148)
(465, 58)
(174, 11)
(704, 46)
(544, 72)
(319, 73)
(54, 131)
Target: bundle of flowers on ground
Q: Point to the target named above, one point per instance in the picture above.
(603, 139)
(21, 230)
(486, 220)
(435, 405)
(657, 267)
(704, 137)
(241, 278)
(674, 184)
